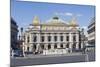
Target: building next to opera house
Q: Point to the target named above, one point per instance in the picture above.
(53, 37)
(91, 32)
(14, 33)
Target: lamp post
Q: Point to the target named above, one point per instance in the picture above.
(21, 40)
(83, 40)
(79, 38)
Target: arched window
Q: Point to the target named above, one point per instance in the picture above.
(34, 46)
(55, 46)
(49, 46)
(49, 38)
(61, 45)
(27, 48)
(67, 38)
(55, 38)
(34, 38)
(28, 39)
(74, 38)
(61, 38)
(74, 45)
(67, 45)
(42, 46)
(79, 45)
(42, 38)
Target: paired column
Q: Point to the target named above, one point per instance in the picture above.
(30, 43)
(26, 38)
(71, 42)
(64, 40)
(52, 40)
(77, 41)
(25, 45)
(46, 40)
(30, 38)
(38, 46)
(58, 40)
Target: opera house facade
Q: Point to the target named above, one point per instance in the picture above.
(52, 37)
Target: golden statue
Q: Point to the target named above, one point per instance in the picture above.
(36, 20)
(73, 22)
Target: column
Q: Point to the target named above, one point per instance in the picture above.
(52, 37)
(58, 38)
(46, 48)
(25, 38)
(46, 37)
(64, 40)
(38, 37)
(71, 42)
(52, 46)
(30, 43)
(30, 47)
(52, 40)
(46, 40)
(77, 41)
(24, 47)
(38, 47)
(30, 38)
(64, 37)
(70, 39)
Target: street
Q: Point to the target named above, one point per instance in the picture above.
(52, 59)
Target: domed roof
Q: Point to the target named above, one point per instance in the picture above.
(56, 18)
(56, 21)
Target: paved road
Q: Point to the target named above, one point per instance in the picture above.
(89, 56)
(47, 60)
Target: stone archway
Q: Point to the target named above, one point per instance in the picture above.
(55, 46)
(42, 46)
(74, 45)
(34, 47)
(49, 46)
(61, 45)
(67, 45)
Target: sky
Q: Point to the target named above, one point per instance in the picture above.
(24, 12)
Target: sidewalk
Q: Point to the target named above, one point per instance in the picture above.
(43, 56)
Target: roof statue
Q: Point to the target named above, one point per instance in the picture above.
(36, 20)
(73, 22)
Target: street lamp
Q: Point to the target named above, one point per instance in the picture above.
(83, 40)
(22, 40)
(79, 38)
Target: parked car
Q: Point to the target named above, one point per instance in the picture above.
(17, 53)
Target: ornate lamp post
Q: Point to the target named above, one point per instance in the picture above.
(83, 41)
(21, 41)
(79, 38)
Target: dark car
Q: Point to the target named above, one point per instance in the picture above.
(18, 53)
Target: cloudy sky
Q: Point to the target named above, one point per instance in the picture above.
(24, 12)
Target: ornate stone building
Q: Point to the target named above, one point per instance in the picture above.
(91, 32)
(51, 37)
(14, 33)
